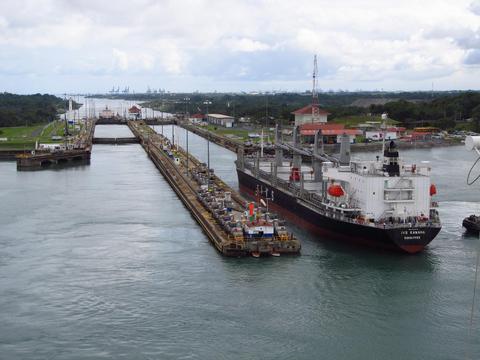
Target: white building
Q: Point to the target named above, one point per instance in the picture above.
(196, 118)
(391, 133)
(222, 120)
(305, 116)
(378, 135)
(135, 112)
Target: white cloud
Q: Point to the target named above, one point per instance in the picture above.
(475, 7)
(218, 42)
(120, 59)
(245, 45)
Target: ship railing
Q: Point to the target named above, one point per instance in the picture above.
(248, 165)
(315, 200)
(263, 174)
(282, 184)
(294, 189)
(401, 224)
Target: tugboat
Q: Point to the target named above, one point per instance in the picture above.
(384, 203)
(472, 224)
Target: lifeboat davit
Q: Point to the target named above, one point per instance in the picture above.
(433, 190)
(335, 190)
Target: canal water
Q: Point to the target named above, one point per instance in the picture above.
(103, 261)
(94, 106)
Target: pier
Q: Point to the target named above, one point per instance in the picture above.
(77, 151)
(230, 144)
(115, 141)
(10, 154)
(122, 121)
(180, 170)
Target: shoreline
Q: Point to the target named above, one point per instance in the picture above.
(368, 147)
(234, 145)
(11, 154)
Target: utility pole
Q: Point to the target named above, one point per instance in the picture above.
(208, 160)
(266, 110)
(208, 102)
(65, 116)
(186, 136)
(187, 99)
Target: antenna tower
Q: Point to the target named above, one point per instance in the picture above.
(315, 104)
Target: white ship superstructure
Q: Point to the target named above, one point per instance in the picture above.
(380, 196)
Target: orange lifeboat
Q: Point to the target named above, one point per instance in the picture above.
(335, 190)
(433, 190)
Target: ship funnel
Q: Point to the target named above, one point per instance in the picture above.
(345, 150)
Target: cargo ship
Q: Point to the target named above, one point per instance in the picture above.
(384, 203)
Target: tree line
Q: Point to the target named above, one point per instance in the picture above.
(26, 110)
(440, 109)
(445, 112)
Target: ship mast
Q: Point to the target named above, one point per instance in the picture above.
(315, 103)
(384, 126)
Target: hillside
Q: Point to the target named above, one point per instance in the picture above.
(25, 110)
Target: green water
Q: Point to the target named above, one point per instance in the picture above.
(103, 261)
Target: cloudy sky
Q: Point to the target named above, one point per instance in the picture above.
(90, 45)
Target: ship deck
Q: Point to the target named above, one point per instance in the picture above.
(283, 173)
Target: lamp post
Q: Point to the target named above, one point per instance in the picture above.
(187, 99)
(208, 102)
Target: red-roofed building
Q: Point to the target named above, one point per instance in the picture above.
(310, 129)
(331, 132)
(196, 118)
(305, 116)
(134, 112)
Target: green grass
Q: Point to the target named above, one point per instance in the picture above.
(24, 137)
(465, 126)
(20, 131)
(55, 128)
(239, 133)
(355, 120)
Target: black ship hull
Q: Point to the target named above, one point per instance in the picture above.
(406, 239)
(472, 224)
